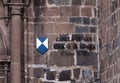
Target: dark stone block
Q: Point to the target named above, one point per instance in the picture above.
(82, 29)
(77, 37)
(83, 46)
(94, 21)
(51, 75)
(93, 29)
(62, 58)
(63, 37)
(58, 46)
(39, 2)
(76, 2)
(91, 47)
(65, 75)
(86, 20)
(88, 37)
(71, 46)
(75, 19)
(38, 72)
(76, 73)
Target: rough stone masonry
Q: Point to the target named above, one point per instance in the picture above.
(71, 26)
(109, 36)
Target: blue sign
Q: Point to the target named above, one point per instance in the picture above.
(42, 45)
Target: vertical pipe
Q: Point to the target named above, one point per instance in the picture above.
(16, 45)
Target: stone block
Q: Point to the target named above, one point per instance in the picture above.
(87, 74)
(93, 29)
(86, 20)
(38, 72)
(86, 11)
(48, 28)
(90, 2)
(91, 47)
(83, 46)
(88, 37)
(39, 2)
(71, 46)
(77, 37)
(76, 73)
(59, 2)
(91, 59)
(82, 29)
(76, 2)
(85, 58)
(94, 21)
(59, 46)
(75, 20)
(52, 11)
(65, 75)
(60, 28)
(51, 75)
(63, 37)
(61, 58)
(69, 11)
(63, 2)
(65, 11)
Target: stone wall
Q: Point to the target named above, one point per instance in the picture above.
(71, 26)
(109, 37)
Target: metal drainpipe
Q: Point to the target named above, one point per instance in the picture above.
(16, 44)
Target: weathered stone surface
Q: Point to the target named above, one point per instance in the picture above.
(65, 75)
(71, 46)
(38, 72)
(90, 2)
(82, 29)
(76, 2)
(91, 47)
(75, 19)
(59, 46)
(88, 37)
(87, 74)
(63, 37)
(93, 29)
(59, 2)
(86, 20)
(51, 75)
(86, 11)
(39, 2)
(83, 46)
(65, 56)
(94, 21)
(76, 73)
(69, 11)
(77, 37)
(86, 58)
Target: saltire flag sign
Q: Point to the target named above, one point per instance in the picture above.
(42, 45)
